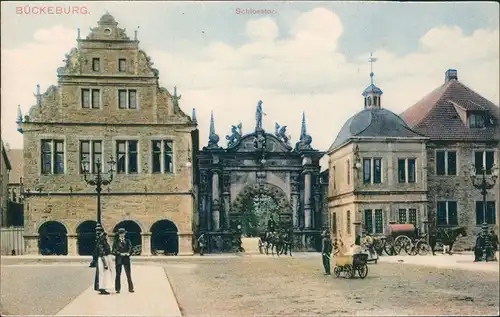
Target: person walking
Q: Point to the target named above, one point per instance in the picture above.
(103, 280)
(201, 243)
(326, 251)
(122, 249)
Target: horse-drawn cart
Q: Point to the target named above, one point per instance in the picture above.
(351, 262)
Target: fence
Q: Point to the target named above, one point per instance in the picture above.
(12, 241)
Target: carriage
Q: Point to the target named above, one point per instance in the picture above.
(402, 237)
(349, 264)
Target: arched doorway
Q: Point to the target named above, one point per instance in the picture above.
(257, 212)
(53, 239)
(86, 237)
(164, 238)
(133, 233)
(256, 204)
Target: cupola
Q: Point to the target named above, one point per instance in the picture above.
(372, 93)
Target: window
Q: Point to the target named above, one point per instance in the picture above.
(52, 157)
(95, 101)
(367, 177)
(334, 223)
(165, 166)
(412, 214)
(96, 64)
(402, 171)
(476, 120)
(348, 165)
(348, 222)
(446, 163)
(127, 99)
(376, 223)
(402, 216)
(484, 159)
(406, 170)
(379, 221)
(377, 172)
(333, 178)
(368, 221)
(372, 171)
(447, 213)
(126, 152)
(122, 65)
(91, 151)
(490, 213)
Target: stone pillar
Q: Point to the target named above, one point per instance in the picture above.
(307, 201)
(226, 198)
(317, 203)
(185, 243)
(146, 243)
(295, 194)
(72, 244)
(31, 244)
(202, 202)
(215, 202)
(390, 168)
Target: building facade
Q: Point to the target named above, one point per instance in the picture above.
(463, 130)
(108, 103)
(377, 172)
(5, 169)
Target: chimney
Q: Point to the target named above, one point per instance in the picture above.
(450, 74)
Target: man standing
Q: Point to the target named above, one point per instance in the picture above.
(122, 249)
(478, 248)
(201, 243)
(326, 250)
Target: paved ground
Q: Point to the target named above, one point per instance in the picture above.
(295, 286)
(260, 285)
(457, 261)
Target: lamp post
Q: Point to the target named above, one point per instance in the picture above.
(98, 181)
(483, 184)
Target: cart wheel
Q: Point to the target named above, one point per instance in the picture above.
(423, 248)
(363, 270)
(402, 243)
(376, 261)
(389, 249)
(349, 271)
(337, 271)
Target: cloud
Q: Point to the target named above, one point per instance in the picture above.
(292, 70)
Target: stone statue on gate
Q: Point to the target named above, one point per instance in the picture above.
(258, 116)
(280, 132)
(235, 135)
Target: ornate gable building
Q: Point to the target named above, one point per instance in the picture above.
(377, 172)
(463, 129)
(107, 103)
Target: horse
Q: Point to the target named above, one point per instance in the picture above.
(271, 241)
(285, 243)
(446, 237)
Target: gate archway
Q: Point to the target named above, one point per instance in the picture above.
(86, 237)
(164, 238)
(256, 204)
(53, 239)
(133, 234)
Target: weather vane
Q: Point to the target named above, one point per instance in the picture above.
(371, 60)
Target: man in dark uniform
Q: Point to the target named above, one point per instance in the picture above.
(478, 248)
(494, 241)
(326, 250)
(122, 249)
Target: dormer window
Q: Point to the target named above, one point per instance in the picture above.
(96, 64)
(476, 120)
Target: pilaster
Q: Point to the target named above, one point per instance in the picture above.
(146, 243)
(185, 243)
(72, 244)
(31, 244)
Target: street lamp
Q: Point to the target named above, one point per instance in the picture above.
(483, 184)
(98, 181)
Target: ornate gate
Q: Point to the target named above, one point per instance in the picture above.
(259, 164)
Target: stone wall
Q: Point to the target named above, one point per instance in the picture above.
(459, 187)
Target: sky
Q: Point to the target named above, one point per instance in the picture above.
(295, 57)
